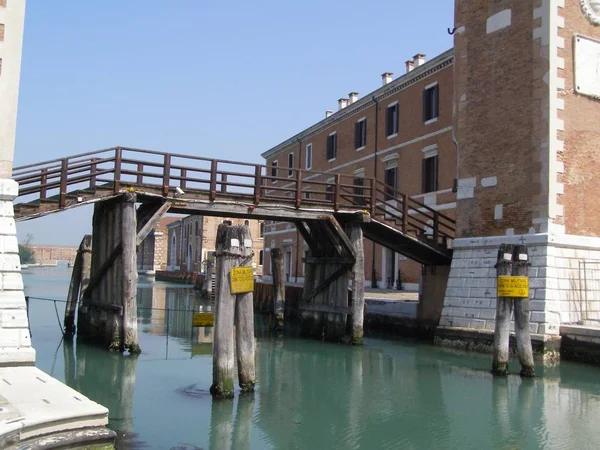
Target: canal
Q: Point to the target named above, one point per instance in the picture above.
(310, 395)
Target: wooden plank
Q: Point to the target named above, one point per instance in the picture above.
(326, 308)
(97, 278)
(278, 286)
(151, 222)
(325, 283)
(343, 237)
(101, 306)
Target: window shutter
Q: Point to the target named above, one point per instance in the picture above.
(364, 132)
(436, 102)
(388, 122)
(425, 106)
(424, 175)
(357, 135)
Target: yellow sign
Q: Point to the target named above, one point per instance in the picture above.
(513, 287)
(203, 319)
(242, 280)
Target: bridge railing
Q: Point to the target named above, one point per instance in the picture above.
(159, 172)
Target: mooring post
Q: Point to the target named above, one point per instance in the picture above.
(358, 284)
(228, 255)
(503, 310)
(521, 269)
(244, 315)
(79, 281)
(242, 425)
(129, 335)
(278, 287)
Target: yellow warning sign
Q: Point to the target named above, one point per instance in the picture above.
(242, 280)
(513, 287)
(203, 319)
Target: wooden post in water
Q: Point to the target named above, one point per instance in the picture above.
(76, 285)
(129, 275)
(278, 287)
(244, 316)
(358, 284)
(228, 255)
(521, 269)
(503, 310)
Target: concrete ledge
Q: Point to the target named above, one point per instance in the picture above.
(580, 343)
(34, 405)
(544, 346)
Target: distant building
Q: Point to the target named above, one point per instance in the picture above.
(152, 252)
(192, 239)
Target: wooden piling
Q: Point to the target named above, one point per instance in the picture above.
(503, 311)
(524, 350)
(227, 254)
(128, 272)
(76, 286)
(358, 284)
(278, 287)
(244, 316)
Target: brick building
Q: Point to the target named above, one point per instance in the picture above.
(192, 238)
(401, 134)
(52, 254)
(500, 132)
(152, 253)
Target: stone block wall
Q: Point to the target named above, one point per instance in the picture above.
(15, 341)
(557, 286)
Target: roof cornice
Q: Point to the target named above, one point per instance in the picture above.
(435, 65)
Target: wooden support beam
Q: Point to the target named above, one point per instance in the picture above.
(148, 225)
(301, 227)
(244, 320)
(278, 286)
(329, 260)
(343, 238)
(101, 306)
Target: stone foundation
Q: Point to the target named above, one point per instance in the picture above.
(15, 341)
(564, 286)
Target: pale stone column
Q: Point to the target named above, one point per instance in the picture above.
(15, 342)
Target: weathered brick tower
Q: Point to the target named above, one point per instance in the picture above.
(527, 129)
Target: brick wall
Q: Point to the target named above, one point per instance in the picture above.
(49, 254)
(581, 116)
(405, 150)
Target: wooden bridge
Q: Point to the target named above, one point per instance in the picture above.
(322, 205)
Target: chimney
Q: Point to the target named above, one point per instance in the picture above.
(386, 78)
(328, 113)
(419, 59)
(342, 103)
(353, 97)
(410, 65)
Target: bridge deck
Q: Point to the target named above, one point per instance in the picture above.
(196, 185)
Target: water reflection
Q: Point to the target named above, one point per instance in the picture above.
(316, 395)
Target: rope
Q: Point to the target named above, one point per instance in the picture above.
(55, 300)
(58, 318)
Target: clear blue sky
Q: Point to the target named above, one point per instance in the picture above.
(217, 79)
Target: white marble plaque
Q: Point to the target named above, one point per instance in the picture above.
(587, 66)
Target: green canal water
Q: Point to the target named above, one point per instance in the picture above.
(310, 395)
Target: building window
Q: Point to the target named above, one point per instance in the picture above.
(330, 190)
(431, 103)
(391, 181)
(274, 165)
(331, 146)
(308, 161)
(430, 174)
(359, 191)
(360, 134)
(306, 195)
(261, 257)
(391, 120)
(290, 164)
(261, 231)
